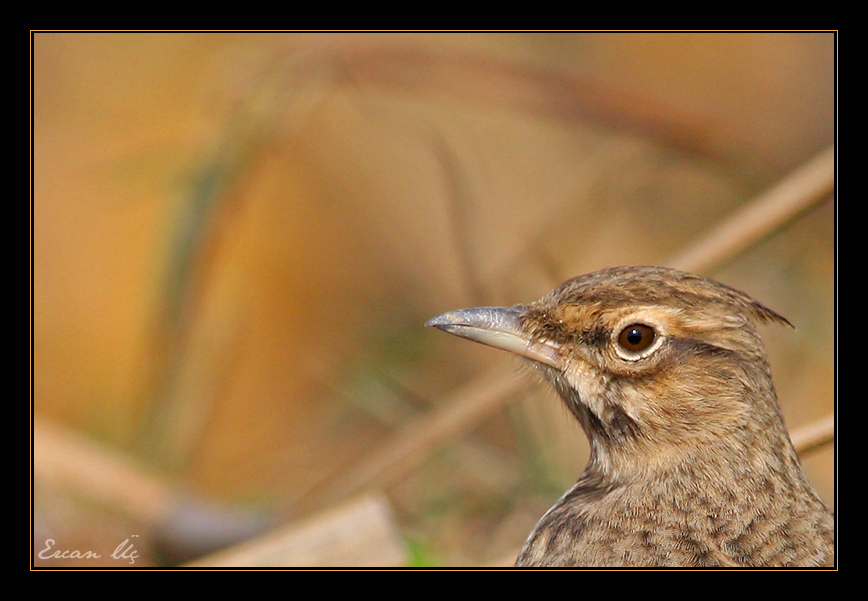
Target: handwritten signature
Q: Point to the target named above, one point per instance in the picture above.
(125, 550)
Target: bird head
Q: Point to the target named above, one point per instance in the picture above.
(658, 365)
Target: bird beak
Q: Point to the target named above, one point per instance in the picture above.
(498, 327)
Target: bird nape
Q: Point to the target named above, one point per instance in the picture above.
(690, 462)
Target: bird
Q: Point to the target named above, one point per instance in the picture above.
(690, 461)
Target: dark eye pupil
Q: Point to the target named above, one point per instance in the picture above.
(636, 337)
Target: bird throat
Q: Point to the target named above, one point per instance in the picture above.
(623, 448)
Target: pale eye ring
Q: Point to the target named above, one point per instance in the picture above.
(636, 338)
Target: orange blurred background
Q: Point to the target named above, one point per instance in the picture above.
(237, 238)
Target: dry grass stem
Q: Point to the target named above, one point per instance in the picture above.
(416, 441)
(814, 434)
(360, 533)
(812, 183)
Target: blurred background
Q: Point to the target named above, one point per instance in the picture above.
(237, 239)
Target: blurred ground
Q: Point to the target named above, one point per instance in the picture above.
(238, 236)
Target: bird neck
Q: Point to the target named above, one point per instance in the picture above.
(735, 433)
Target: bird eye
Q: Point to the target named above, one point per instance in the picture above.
(636, 337)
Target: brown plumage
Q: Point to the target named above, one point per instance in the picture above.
(691, 464)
